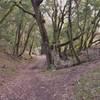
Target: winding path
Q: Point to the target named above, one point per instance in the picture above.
(33, 84)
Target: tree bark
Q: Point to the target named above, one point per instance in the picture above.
(45, 40)
(70, 36)
(26, 42)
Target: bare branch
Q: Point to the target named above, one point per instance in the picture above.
(20, 7)
(8, 12)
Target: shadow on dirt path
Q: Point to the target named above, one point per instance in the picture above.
(33, 84)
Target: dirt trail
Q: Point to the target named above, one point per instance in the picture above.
(32, 84)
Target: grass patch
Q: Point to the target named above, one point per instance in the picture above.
(55, 73)
(8, 71)
(88, 87)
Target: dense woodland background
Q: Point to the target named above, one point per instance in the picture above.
(61, 29)
(60, 35)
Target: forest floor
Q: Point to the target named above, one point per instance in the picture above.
(30, 81)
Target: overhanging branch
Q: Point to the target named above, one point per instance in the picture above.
(8, 12)
(20, 7)
(63, 44)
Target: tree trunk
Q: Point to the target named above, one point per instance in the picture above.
(70, 36)
(45, 40)
(28, 35)
(17, 40)
(31, 46)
